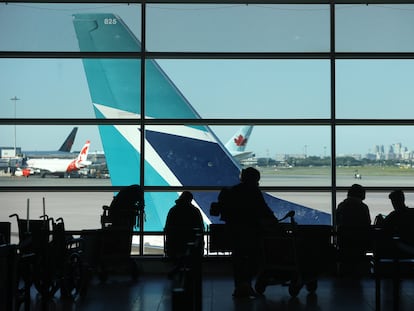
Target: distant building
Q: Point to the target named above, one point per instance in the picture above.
(371, 156)
(281, 157)
(249, 162)
(8, 152)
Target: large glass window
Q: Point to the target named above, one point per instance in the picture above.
(316, 104)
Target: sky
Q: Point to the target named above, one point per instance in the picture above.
(245, 89)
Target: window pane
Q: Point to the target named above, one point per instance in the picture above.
(374, 89)
(190, 156)
(121, 146)
(153, 245)
(378, 202)
(237, 28)
(27, 26)
(283, 146)
(381, 155)
(71, 88)
(79, 210)
(310, 207)
(113, 159)
(318, 201)
(47, 141)
(238, 89)
(49, 152)
(288, 155)
(374, 28)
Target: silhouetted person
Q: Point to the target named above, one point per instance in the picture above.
(397, 237)
(353, 211)
(244, 210)
(184, 224)
(353, 222)
(402, 217)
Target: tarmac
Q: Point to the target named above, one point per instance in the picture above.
(82, 210)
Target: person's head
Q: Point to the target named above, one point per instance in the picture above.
(250, 176)
(397, 199)
(185, 198)
(356, 191)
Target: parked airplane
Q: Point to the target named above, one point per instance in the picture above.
(237, 144)
(63, 152)
(175, 155)
(60, 167)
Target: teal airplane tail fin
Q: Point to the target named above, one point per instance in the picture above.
(175, 155)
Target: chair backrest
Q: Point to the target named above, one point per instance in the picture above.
(59, 238)
(8, 276)
(396, 238)
(34, 225)
(219, 238)
(177, 240)
(33, 234)
(320, 236)
(406, 230)
(5, 231)
(354, 237)
(394, 245)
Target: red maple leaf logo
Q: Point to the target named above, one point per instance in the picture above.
(240, 141)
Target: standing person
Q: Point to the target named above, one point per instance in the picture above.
(245, 211)
(353, 225)
(184, 222)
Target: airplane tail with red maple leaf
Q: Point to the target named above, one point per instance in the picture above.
(237, 144)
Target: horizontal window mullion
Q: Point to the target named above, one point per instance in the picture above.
(69, 55)
(69, 121)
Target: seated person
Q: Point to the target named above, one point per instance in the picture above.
(353, 222)
(400, 221)
(183, 222)
(353, 211)
(401, 216)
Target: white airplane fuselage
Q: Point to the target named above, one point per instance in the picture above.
(58, 166)
(52, 165)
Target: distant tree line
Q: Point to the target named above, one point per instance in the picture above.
(326, 161)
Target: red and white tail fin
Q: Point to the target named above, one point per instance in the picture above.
(83, 154)
(81, 161)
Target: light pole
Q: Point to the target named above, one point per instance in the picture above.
(15, 99)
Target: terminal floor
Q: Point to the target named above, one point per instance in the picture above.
(151, 292)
